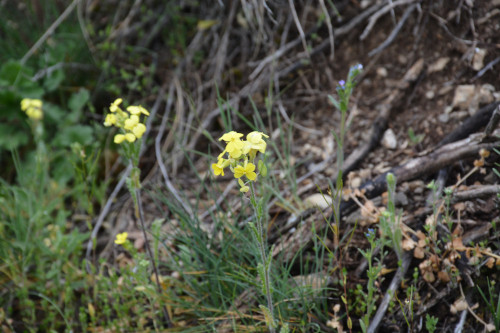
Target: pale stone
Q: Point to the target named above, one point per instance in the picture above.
(389, 140)
(478, 59)
(382, 72)
(438, 65)
(322, 201)
(444, 118)
(485, 94)
(464, 94)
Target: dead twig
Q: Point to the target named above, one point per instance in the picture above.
(299, 27)
(394, 32)
(49, 31)
(374, 18)
(389, 293)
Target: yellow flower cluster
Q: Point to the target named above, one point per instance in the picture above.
(129, 122)
(121, 238)
(32, 107)
(241, 155)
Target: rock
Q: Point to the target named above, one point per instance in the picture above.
(429, 94)
(389, 140)
(438, 65)
(460, 115)
(382, 72)
(322, 201)
(444, 117)
(485, 94)
(444, 90)
(478, 59)
(356, 182)
(464, 94)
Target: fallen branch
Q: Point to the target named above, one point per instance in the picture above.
(447, 153)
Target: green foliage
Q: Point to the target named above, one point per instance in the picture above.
(492, 300)
(430, 323)
(414, 139)
(39, 247)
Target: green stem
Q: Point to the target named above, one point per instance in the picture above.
(150, 254)
(262, 248)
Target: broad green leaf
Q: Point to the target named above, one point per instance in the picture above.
(77, 100)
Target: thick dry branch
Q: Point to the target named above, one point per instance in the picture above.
(446, 154)
(438, 159)
(481, 191)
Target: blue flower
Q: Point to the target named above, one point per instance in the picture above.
(370, 232)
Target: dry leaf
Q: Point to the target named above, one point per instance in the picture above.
(408, 244)
(490, 262)
(419, 253)
(429, 277)
(458, 244)
(444, 276)
(205, 24)
(459, 306)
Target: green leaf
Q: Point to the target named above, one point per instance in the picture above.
(363, 325)
(262, 168)
(76, 133)
(262, 276)
(78, 100)
(53, 80)
(334, 102)
(9, 71)
(12, 137)
(53, 112)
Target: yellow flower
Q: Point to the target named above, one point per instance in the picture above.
(247, 170)
(110, 120)
(231, 136)
(114, 106)
(234, 144)
(218, 170)
(220, 165)
(32, 107)
(119, 138)
(131, 122)
(243, 188)
(121, 238)
(130, 137)
(137, 110)
(255, 143)
(139, 130)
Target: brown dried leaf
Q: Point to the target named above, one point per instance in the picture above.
(419, 253)
(429, 277)
(490, 262)
(444, 276)
(408, 244)
(479, 163)
(421, 235)
(458, 244)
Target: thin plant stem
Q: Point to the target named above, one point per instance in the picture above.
(262, 249)
(150, 254)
